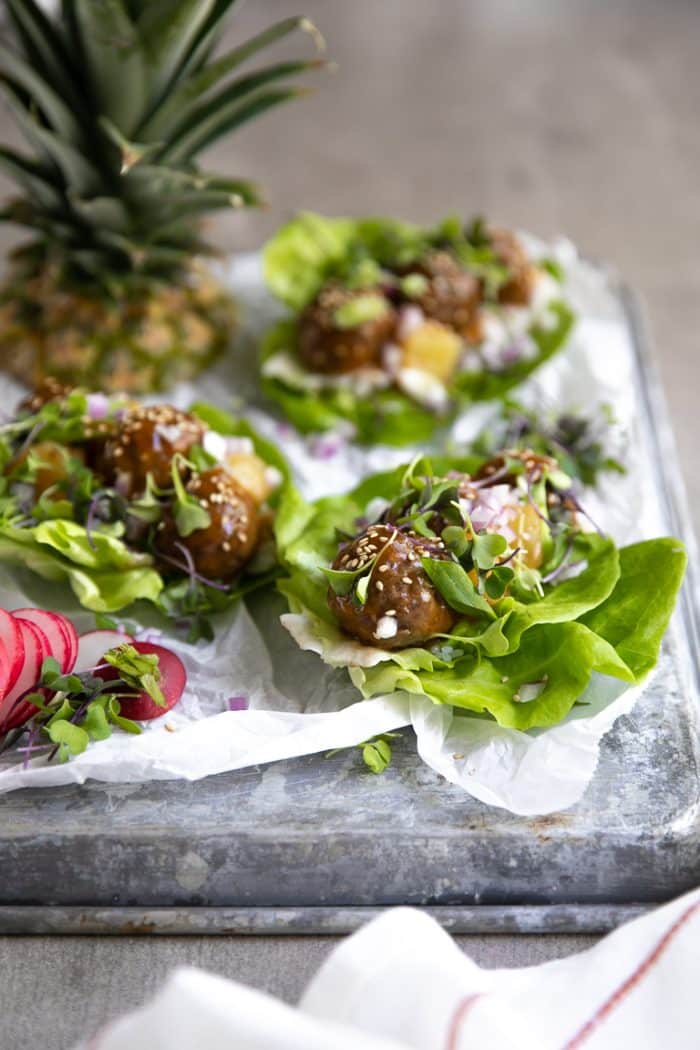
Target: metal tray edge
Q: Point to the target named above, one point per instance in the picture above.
(324, 921)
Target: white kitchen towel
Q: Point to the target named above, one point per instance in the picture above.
(401, 982)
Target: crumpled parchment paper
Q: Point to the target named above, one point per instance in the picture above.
(297, 705)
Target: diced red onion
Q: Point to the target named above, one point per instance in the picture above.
(410, 318)
(97, 406)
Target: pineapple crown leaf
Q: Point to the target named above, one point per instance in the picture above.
(117, 99)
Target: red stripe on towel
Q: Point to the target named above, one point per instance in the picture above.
(614, 1000)
(462, 1009)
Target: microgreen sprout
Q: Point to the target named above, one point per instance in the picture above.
(376, 752)
(75, 708)
(189, 515)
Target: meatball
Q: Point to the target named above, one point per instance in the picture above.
(325, 345)
(47, 389)
(518, 289)
(536, 466)
(220, 550)
(145, 442)
(452, 294)
(402, 607)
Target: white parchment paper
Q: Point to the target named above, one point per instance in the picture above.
(297, 705)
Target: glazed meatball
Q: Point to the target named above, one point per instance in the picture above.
(47, 389)
(402, 607)
(535, 466)
(145, 442)
(327, 346)
(452, 294)
(517, 291)
(220, 550)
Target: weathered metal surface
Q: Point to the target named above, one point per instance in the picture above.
(557, 918)
(315, 845)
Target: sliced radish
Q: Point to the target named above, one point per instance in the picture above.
(36, 649)
(56, 629)
(93, 645)
(11, 652)
(21, 712)
(141, 707)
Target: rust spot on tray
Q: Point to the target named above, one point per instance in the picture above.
(543, 826)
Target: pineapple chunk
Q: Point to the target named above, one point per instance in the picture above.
(432, 347)
(527, 526)
(251, 473)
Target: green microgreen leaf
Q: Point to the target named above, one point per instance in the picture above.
(189, 514)
(455, 538)
(112, 711)
(456, 587)
(497, 581)
(200, 458)
(361, 588)
(95, 723)
(420, 525)
(486, 547)
(530, 579)
(50, 670)
(413, 285)
(71, 739)
(376, 754)
(138, 670)
(357, 311)
(147, 507)
(342, 581)
(552, 267)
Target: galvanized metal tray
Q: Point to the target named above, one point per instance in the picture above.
(311, 845)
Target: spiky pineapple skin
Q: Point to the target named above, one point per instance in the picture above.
(141, 341)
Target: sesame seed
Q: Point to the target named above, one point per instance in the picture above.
(379, 585)
(406, 579)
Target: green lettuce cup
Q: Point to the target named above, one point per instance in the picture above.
(476, 584)
(139, 503)
(395, 327)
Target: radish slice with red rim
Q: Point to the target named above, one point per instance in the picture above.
(93, 645)
(173, 678)
(36, 649)
(57, 629)
(11, 652)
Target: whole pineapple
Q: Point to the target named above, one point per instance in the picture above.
(117, 98)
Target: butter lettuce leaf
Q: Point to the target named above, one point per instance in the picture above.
(303, 254)
(106, 574)
(633, 619)
(530, 665)
(312, 249)
(104, 579)
(490, 386)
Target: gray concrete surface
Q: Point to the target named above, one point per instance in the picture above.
(87, 980)
(576, 117)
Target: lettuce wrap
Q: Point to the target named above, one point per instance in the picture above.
(526, 641)
(79, 531)
(378, 403)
